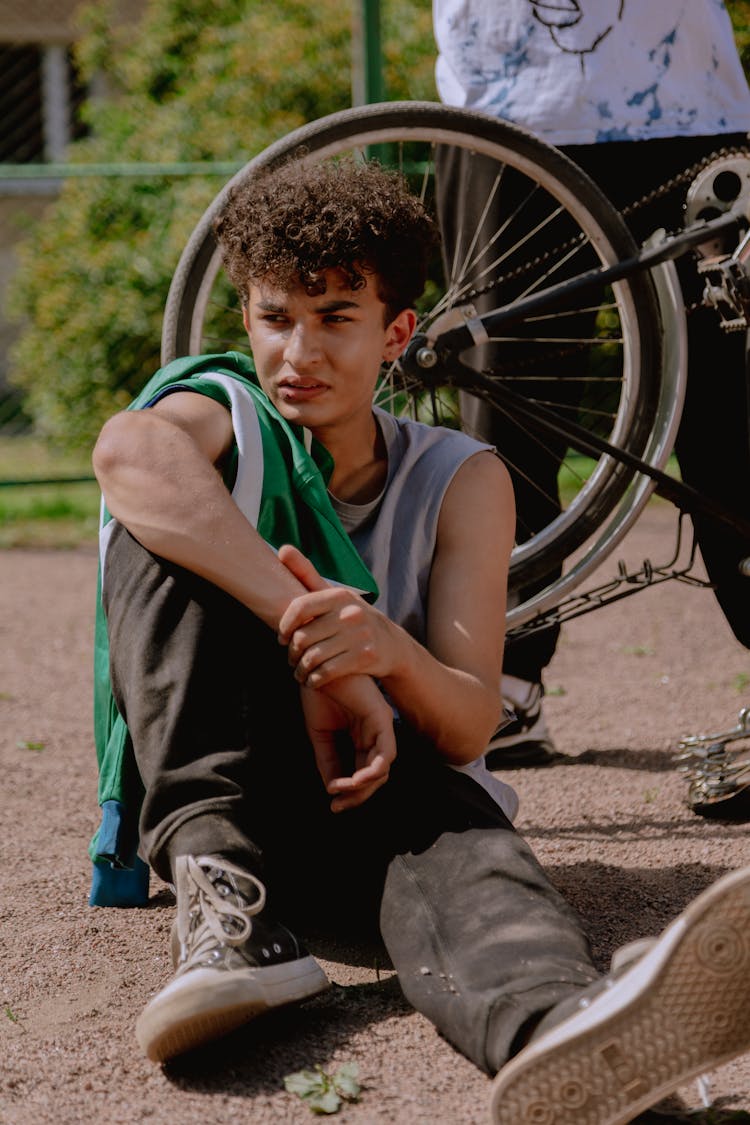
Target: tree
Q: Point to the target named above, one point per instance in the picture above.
(193, 81)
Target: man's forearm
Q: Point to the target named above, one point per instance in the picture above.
(454, 709)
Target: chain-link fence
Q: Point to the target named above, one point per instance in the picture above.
(40, 102)
(40, 99)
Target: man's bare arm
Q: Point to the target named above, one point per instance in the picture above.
(157, 471)
(448, 689)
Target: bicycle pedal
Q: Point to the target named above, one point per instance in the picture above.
(697, 756)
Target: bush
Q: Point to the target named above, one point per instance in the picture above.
(193, 81)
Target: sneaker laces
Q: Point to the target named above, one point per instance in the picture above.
(210, 913)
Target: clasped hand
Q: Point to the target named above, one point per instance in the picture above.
(337, 643)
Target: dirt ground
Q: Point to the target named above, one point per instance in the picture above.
(609, 822)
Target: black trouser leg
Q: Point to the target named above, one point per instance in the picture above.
(713, 443)
(465, 184)
(204, 687)
(482, 942)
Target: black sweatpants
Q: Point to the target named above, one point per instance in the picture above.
(482, 943)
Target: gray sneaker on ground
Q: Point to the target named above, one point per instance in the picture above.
(233, 963)
(679, 1011)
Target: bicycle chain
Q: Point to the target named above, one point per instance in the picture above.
(681, 179)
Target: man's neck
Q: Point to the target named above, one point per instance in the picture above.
(360, 464)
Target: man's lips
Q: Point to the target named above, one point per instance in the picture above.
(290, 389)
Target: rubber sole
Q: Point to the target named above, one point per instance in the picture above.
(681, 1011)
(204, 1004)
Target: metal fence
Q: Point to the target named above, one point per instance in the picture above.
(40, 101)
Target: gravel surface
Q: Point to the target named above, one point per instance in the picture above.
(609, 822)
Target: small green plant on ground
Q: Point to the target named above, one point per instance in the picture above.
(325, 1093)
(741, 680)
(13, 1017)
(638, 650)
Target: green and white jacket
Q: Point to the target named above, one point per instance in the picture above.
(280, 486)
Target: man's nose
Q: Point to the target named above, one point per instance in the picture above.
(301, 348)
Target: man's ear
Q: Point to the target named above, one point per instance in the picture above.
(246, 316)
(398, 334)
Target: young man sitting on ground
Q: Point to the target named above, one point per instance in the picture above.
(355, 745)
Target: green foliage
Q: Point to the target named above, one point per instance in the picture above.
(193, 81)
(324, 1093)
(13, 1017)
(739, 10)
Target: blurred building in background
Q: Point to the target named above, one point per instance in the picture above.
(40, 101)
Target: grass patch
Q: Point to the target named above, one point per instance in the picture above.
(67, 515)
(50, 515)
(576, 469)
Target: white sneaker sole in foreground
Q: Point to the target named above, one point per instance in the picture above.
(206, 1003)
(682, 1010)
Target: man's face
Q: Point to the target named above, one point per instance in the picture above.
(318, 357)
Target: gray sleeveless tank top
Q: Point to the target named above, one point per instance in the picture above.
(395, 534)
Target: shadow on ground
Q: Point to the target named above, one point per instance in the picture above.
(287, 1041)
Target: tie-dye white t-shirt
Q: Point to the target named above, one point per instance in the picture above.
(588, 71)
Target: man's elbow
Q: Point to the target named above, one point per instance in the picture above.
(479, 731)
(109, 449)
(121, 455)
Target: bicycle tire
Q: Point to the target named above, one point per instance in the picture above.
(576, 201)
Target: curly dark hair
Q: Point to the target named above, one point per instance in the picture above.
(293, 222)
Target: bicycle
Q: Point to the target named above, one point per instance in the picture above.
(560, 284)
(632, 365)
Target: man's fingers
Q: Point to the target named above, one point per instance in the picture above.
(375, 771)
(327, 759)
(301, 567)
(342, 802)
(304, 571)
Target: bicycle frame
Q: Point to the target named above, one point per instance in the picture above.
(437, 355)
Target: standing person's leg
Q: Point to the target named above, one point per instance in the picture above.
(713, 443)
(714, 457)
(465, 182)
(208, 698)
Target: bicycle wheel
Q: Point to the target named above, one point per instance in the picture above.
(595, 361)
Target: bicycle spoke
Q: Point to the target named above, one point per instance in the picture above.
(527, 223)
